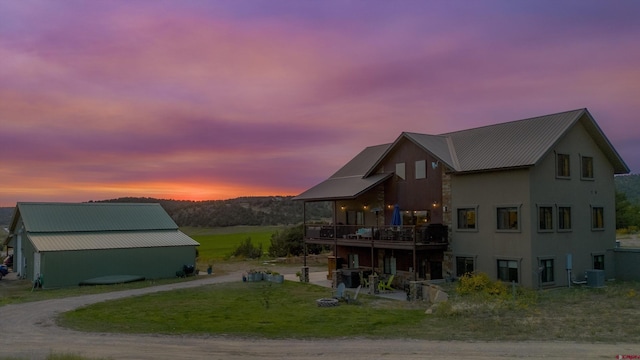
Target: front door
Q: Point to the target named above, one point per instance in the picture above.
(436, 269)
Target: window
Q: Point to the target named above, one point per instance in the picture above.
(508, 270)
(564, 166)
(545, 218)
(400, 170)
(467, 218)
(507, 218)
(598, 262)
(355, 217)
(418, 217)
(421, 169)
(597, 218)
(546, 275)
(464, 265)
(587, 167)
(564, 218)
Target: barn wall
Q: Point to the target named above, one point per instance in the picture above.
(69, 268)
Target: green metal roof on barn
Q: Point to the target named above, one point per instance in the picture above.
(74, 217)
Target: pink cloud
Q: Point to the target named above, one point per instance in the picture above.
(106, 98)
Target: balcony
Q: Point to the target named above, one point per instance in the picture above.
(432, 236)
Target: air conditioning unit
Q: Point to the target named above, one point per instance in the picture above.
(595, 278)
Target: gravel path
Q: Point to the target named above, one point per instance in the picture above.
(28, 331)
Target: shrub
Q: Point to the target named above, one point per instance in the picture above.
(289, 242)
(480, 284)
(248, 250)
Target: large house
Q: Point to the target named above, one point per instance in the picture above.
(529, 201)
(67, 244)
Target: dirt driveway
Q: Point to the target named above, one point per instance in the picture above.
(28, 331)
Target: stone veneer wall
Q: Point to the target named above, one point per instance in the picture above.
(447, 219)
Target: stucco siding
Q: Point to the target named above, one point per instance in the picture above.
(487, 192)
(580, 195)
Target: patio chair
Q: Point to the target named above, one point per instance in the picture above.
(382, 286)
(363, 280)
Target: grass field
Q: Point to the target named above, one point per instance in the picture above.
(289, 311)
(218, 243)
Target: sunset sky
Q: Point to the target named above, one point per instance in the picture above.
(218, 99)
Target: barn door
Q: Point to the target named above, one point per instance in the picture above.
(36, 266)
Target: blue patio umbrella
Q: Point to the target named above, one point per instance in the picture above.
(396, 219)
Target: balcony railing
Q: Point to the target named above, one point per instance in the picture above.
(432, 233)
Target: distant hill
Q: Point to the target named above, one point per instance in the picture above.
(5, 216)
(630, 186)
(261, 210)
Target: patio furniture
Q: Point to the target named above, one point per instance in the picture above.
(363, 280)
(382, 286)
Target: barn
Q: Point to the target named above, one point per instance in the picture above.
(67, 244)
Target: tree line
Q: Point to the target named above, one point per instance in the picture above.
(259, 211)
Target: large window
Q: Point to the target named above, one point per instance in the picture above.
(597, 218)
(545, 218)
(598, 262)
(421, 169)
(508, 270)
(563, 165)
(564, 218)
(464, 265)
(547, 274)
(587, 167)
(401, 170)
(355, 217)
(507, 218)
(467, 218)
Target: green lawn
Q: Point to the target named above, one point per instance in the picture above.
(260, 309)
(217, 244)
(289, 311)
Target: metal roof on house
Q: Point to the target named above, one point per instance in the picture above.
(524, 142)
(343, 188)
(85, 217)
(109, 240)
(350, 181)
(515, 144)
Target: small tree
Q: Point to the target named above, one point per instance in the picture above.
(248, 250)
(290, 242)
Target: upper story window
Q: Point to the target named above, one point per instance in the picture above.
(355, 217)
(401, 171)
(507, 218)
(563, 165)
(597, 218)
(467, 218)
(587, 168)
(564, 218)
(421, 169)
(545, 218)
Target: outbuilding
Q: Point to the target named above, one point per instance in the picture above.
(66, 244)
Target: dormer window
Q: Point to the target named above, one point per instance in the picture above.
(587, 168)
(421, 169)
(401, 170)
(563, 166)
